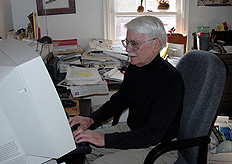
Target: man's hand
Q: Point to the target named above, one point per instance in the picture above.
(85, 122)
(83, 135)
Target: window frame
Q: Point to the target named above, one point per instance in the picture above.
(109, 17)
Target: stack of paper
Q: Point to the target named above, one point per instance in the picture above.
(90, 75)
(114, 74)
(104, 48)
(66, 46)
(84, 81)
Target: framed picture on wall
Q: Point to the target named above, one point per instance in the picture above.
(214, 3)
(54, 7)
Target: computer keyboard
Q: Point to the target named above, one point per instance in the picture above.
(82, 147)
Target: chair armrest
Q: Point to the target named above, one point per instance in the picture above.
(175, 145)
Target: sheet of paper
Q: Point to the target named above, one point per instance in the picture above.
(114, 74)
(228, 49)
(79, 82)
(84, 81)
(85, 90)
(83, 74)
(180, 48)
(117, 76)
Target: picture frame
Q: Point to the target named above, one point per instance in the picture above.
(55, 7)
(208, 3)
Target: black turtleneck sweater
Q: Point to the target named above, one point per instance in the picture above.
(154, 95)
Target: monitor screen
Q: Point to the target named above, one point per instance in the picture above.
(32, 119)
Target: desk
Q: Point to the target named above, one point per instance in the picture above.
(227, 102)
(96, 99)
(220, 158)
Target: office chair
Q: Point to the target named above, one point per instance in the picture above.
(205, 77)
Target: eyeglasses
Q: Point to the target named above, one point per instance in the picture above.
(133, 44)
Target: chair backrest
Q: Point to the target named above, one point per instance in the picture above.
(177, 38)
(204, 76)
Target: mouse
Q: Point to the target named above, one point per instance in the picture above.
(68, 103)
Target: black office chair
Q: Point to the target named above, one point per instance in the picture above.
(205, 77)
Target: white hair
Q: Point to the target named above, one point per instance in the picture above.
(150, 26)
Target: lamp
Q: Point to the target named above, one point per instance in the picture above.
(45, 40)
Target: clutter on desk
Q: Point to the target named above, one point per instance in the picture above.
(221, 42)
(70, 57)
(72, 109)
(100, 60)
(220, 148)
(173, 60)
(44, 51)
(103, 51)
(16, 34)
(223, 27)
(114, 74)
(83, 74)
(81, 81)
(75, 61)
(228, 49)
(213, 40)
(31, 31)
(90, 89)
(203, 30)
(175, 50)
(66, 46)
(84, 81)
(69, 53)
(106, 57)
(221, 133)
(65, 42)
(203, 37)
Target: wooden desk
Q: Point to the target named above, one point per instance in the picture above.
(227, 103)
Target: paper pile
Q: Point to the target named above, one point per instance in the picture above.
(84, 81)
(114, 74)
(102, 51)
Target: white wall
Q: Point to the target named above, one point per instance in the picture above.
(6, 22)
(206, 16)
(85, 24)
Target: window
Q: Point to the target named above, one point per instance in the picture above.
(118, 12)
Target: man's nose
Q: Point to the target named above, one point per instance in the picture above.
(128, 48)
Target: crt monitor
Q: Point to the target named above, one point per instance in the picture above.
(34, 127)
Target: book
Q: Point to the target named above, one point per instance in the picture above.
(217, 133)
(65, 42)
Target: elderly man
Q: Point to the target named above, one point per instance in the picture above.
(153, 91)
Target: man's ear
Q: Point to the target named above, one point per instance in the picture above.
(156, 45)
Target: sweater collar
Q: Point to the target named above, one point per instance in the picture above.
(154, 64)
